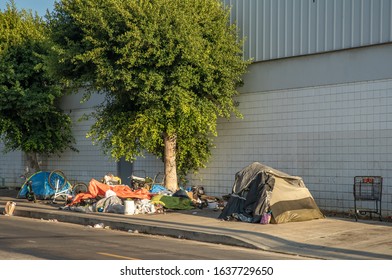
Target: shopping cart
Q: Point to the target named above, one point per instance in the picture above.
(140, 180)
(367, 195)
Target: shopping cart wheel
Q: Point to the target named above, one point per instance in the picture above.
(79, 187)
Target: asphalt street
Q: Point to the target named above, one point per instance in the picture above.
(29, 239)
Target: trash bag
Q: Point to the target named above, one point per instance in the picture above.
(116, 208)
(159, 189)
(181, 193)
(145, 206)
(105, 203)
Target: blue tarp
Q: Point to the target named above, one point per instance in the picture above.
(41, 186)
(156, 188)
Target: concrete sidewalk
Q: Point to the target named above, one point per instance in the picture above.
(329, 238)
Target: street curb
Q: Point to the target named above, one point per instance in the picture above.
(115, 223)
(88, 220)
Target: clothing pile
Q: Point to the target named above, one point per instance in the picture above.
(110, 198)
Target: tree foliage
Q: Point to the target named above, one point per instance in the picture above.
(169, 68)
(30, 119)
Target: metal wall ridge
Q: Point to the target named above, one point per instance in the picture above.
(276, 29)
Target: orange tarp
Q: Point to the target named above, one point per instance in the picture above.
(96, 188)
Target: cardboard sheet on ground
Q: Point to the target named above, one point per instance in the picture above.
(98, 189)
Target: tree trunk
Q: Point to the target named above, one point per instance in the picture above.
(170, 163)
(32, 163)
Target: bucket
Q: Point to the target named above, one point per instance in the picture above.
(129, 207)
(212, 205)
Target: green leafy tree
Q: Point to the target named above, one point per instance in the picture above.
(30, 119)
(168, 69)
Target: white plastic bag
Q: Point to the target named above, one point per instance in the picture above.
(9, 208)
(110, 193)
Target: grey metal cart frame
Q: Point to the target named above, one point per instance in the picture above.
(143, 181)
(368, 189)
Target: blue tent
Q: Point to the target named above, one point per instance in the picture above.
(41, 187)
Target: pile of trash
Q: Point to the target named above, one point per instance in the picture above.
(109, 196)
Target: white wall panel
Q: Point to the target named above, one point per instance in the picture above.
(11, 167)
(89, 162)
(283, 28)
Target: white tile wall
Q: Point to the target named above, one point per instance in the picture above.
(89, 162)
(149, 166)
(327, 135)
(11, 167)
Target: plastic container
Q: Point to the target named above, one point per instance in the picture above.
(212, 205)
(129, 207)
